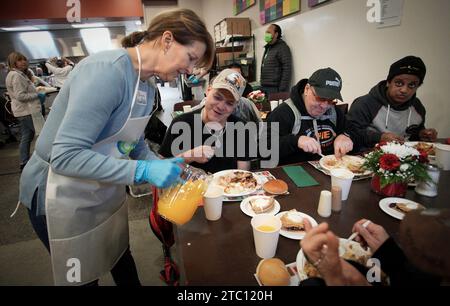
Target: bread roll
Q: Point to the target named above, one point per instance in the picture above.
(273, 272)
(275, 187)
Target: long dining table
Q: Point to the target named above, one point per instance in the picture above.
(222, 252)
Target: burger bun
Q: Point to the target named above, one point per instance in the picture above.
(273, 272)
(275, 187)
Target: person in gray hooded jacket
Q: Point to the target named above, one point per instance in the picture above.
(391, 111)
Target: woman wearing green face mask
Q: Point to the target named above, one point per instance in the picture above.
(276, 67)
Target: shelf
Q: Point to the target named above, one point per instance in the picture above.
(229, 49)
(235, 38)
(239, 54)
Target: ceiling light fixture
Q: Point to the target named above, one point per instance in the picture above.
(87, 25)
(25, 28)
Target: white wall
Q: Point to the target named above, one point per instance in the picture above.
(338, 35)
(151, 11)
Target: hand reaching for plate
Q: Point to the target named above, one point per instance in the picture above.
(321, 249)
(309, 144)
(428, 135)
(200, 154)
(388, 137)
(373, 235)
(342, 145)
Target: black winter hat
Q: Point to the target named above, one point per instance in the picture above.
(408, 65)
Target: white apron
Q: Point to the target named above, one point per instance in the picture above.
(87, 220)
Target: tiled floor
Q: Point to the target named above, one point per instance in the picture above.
(23, 258)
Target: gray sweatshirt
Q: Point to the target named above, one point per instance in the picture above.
(373, 114)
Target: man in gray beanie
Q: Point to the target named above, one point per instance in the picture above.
(391, 111)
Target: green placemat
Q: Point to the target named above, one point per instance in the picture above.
(299, 176)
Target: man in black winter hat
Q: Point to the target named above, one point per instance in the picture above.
(391, 111)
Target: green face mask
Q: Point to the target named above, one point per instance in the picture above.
(267, 37)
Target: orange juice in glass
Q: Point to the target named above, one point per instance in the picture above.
(179, 202)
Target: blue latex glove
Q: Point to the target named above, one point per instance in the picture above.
(41, 97)
(193, 79)
(159, 172)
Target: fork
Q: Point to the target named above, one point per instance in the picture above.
(352, 236)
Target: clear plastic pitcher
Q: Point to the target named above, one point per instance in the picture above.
(179, 202)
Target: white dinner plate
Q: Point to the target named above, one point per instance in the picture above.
(301, 260)
(414, 143)
(346, 159)
(384, 205)
(247, 209)
(217, 175)
(297, 235)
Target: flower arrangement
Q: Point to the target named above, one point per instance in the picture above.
(397, 163)
(257, 96)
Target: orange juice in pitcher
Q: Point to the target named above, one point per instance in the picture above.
(179, 202)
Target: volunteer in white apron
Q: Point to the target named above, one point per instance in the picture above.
(80, 166)
(92, 229)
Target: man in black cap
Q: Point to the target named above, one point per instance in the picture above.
(309, 122)
(391, 111)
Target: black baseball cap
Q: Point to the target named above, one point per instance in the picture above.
(327, 84)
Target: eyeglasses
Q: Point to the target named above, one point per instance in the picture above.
(320, 100)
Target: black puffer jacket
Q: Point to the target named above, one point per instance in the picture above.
(276, 67)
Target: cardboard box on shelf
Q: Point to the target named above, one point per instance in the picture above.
(224, 59)
(233, 26)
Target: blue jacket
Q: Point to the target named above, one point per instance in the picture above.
(93, 104)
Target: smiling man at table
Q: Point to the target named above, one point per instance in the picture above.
(309, 122)
(209, 137)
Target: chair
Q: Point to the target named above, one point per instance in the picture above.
(343, 107)
(279, 95)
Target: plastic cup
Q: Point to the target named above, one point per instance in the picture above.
(212, 203)
(273, 104)
(266, 230)
(187, 108)
(442, 156)
(342, 178)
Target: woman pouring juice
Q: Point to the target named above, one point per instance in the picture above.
(74, 184)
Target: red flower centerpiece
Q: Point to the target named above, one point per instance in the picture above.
(257, 97)
(395, 165)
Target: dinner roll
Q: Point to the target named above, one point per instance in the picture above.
(273, 272)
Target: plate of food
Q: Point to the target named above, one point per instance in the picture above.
(236, 183)
(292, 224)
(398, 207)
(260, 204)
(349, 250)
(352, 163)
(428, 147)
